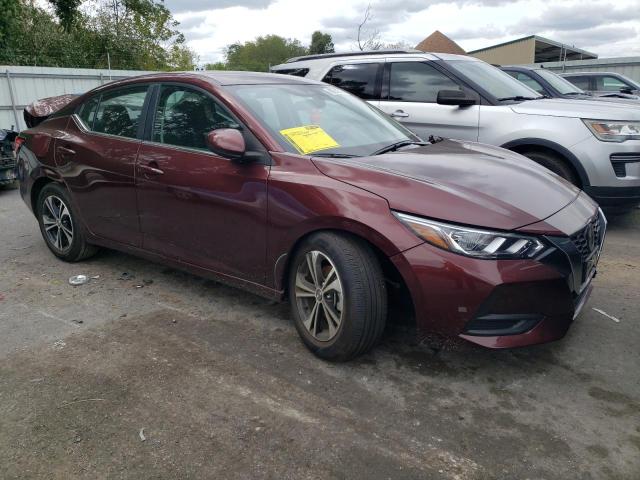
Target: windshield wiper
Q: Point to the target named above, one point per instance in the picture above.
(395, 146)
(333, 155)
(519, 98)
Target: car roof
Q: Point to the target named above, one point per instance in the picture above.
(372, 54)
(223, 77)
(591, 74)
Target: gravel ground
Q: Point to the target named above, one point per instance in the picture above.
(160, 374)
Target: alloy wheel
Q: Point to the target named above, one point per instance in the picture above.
(57, 223)
(319, 295)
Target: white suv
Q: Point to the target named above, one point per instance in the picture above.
(595, 145)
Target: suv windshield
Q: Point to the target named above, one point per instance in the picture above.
(307, 119)
(497, 83)
(560, 84)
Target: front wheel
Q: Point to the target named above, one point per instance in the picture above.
(338, 296)
(60, 225)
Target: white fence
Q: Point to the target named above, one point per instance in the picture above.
(19, 86)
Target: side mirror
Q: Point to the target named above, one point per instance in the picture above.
(455, 97)
(227, 142)
(626, 90)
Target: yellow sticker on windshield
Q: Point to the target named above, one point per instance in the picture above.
(308, 139)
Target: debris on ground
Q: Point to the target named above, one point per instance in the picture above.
(142, 437)
(126, 276)
(78, 280)
(602, 312)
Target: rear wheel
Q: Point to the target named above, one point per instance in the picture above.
(59, 225)
(338, 296)
(555, 164)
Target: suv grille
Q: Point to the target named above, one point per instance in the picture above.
(588, 239)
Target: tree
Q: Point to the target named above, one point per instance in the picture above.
(321, 43)
(136, 34)
(368, 40)
(8, 20)
(258, 55)
(67, 12)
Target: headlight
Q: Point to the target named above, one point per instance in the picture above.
(471, 241)
(609, 131)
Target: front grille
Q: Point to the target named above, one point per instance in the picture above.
(619, 162)
(589, 238)
(7, 161)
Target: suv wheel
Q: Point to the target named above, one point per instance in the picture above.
(338, 296)
(555, 164)
(59, 225)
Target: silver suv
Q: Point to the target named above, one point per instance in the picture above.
(595, 145)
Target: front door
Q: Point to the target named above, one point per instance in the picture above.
(410, 97)
(196, 206)
(97, 156)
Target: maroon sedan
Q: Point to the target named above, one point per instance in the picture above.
(296, 189)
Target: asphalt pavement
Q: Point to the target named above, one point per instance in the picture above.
(148, 372)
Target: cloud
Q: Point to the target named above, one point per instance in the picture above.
(179, 6)
(597, 25)
(575, 17)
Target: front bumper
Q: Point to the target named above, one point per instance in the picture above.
(613, 171)
(615, 198)
(502, 303)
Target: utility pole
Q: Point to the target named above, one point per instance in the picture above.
(109, 64)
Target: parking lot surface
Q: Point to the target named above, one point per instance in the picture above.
(147, 372)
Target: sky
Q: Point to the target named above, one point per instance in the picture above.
(608, 28)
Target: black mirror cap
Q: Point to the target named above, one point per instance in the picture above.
(455, 97)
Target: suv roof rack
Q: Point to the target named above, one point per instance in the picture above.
(350, 54)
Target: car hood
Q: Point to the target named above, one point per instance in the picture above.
(460, 182)
(562, 107)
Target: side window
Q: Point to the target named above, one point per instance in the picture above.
(119, 112)
(610, 84)
(528, 81)
(87, 112)
(359, 78)
(296, 72)
(580, 82)
(417, 82)
(185, 116)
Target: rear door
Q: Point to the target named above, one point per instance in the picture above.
(409, 92)
(196, 206)
(363, 79)
(97, 159)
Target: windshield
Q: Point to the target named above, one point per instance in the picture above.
(560, 84)
(308, 118)
(499, 84)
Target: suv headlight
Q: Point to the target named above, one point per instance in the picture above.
(610, 131)
(473, 242)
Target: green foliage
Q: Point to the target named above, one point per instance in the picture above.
(258, 55)
(138, 34)
(9, 11)
(67, 12)
(321, 43)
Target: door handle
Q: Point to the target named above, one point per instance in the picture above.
(399, 114)
(151, 168)
(66, 150)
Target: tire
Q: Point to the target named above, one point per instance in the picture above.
(350, 315)
(60, 226)
(555, 164)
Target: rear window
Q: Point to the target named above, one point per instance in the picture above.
(580, 82)
(119, 112)
(359, 78)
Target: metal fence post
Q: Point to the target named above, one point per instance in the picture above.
(13, 101)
